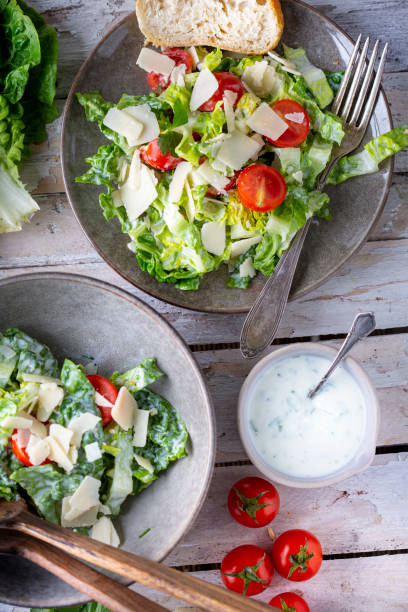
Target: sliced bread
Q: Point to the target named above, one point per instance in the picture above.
(244, 26)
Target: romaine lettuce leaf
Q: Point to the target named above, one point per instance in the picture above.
(235, 279)
(367, 161)
(8, 407)
(139, 377)
(315, 77)
(120, 477)
(178, 97)
(33, 356)
(213, 59)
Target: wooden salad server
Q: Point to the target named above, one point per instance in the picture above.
(209, 597)
(97, 586)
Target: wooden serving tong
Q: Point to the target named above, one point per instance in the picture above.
(26, 534)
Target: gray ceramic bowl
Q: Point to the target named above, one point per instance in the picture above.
(111, 69)
(77, 316)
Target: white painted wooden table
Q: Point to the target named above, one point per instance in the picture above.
(362, 522)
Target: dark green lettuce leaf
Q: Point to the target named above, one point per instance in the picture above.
(139, 377)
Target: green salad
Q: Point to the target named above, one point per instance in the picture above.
(78, 445)
(28, 73)
(219, 163)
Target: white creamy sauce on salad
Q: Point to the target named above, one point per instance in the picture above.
(301, 437)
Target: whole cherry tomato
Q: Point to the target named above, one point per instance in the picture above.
(152, 155)
(290, 602)
(253, 502)
(298, 123)
(160, 82)
(261, 187)
(104, 387)
(247, 569)
(226, 81)
(297, 555)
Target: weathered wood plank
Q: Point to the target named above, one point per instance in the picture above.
(376, 279)
(77, 36)
(377, 584)
(367, 512)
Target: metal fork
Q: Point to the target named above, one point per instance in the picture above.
(354, 104)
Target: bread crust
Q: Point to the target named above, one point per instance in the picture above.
(168, 41)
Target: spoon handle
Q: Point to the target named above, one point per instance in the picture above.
(363, 325)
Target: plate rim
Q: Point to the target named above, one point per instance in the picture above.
(172, 301)
(172, 332)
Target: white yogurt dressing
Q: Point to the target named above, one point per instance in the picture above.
(301, 437)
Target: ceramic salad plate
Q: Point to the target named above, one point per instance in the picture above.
(78, 318)
(355, 205)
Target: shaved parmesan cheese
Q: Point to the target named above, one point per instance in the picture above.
(85, 497)
(87, 519)
(237, 232)
(22, 437)
(247, 268)
(177, 75)
(190, 205)
(298, 176)
(124, 124)
(237, 150)
(266, 122)
(144, 463)
(124, 170)
(102, 401)
(178, 181)
(104, 532)
(241, 246)
(212, 177)
(286, 65)
(229, 110)
(253, 76)
(295, 117)
(37, 450)
(144, 114)
(134, 170)
(257, 138)
(73, 454)
(15, 422)
(39, 429)
(39, 378)
(82, 423)
(49, 397)
(213, 237)
(152, 61)
(136, 201)
(58, 454)
(123, 412)
(140, 427)
(194, 56)
(153, 411)
(205, 86)
(62, 435)
(93, 452)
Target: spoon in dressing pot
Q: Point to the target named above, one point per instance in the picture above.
(363, 325)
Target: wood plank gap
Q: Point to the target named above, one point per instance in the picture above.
(392, 448)
(205, 567)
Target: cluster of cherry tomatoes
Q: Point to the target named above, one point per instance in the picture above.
(296, 554)
(259, 186)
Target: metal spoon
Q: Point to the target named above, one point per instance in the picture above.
(363, 325)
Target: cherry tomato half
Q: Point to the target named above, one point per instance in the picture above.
(152, 155)
(160, 82)
(21, 453)
(247, 569)
(261, 187)
(104, 387)
(297, 555)
(253, 502)
(291, 602)
(297, 119)
(226, 80)
(212, 191)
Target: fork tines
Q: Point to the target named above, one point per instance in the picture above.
(356, 109)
